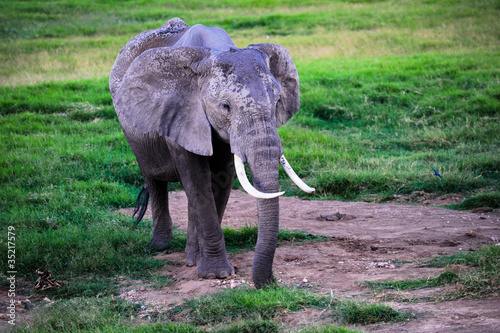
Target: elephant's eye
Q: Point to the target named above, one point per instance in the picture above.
(226, 106)
(279, 103)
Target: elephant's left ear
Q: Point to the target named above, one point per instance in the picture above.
(284, 70)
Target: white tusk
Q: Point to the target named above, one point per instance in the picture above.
(242, 177)
(289, 171)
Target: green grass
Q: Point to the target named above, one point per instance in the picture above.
(81, 314)
(267, 304)
(481, 280)
(79, 39)
(383, 128)
(91, 286)
(445, 278)
(484, 257)
(387, 122)
(351, 312)
(329, 329)
(248, 304)
(239, 310)
(491, 200)
(105, 248)
(252, 326)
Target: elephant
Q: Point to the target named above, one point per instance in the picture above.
(195, 109)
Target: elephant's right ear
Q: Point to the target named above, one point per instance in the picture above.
(160, 93)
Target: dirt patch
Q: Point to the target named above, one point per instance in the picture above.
(426, 199)
(367, 241)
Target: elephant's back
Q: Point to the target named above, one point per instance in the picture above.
(167, 35)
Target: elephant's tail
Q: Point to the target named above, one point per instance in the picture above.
(141, 205)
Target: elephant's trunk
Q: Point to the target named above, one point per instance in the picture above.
(264, 166)
(262, 270)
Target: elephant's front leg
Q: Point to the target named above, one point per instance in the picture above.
(192, 243)
(222, 173)
(206, 244)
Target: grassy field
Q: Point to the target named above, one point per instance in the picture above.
(390, 90)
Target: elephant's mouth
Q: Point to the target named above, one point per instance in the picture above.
(245, 183)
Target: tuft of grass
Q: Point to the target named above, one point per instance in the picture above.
(153, 279)
(252, 326)
(246, 237)
(266, 304)
(296, 236)
(96, 286)
(487, 258)
(159, 281)
(482, 281)
(248, 304)
(92, 314)
(160, 328)
(364, 314)
(447, 277)
(81, 314)
(491, 200)
(241, 239)
(329, 329)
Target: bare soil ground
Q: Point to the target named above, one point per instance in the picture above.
(368, 242)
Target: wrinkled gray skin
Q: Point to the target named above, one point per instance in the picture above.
(187, 100)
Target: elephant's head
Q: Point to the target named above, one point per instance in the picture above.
(241, 95)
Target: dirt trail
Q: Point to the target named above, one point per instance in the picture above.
(369, 241)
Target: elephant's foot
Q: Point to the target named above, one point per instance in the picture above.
(214, 268)
(193, 255)
(160, 242)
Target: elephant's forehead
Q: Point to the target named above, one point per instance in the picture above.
(219, 81)
(247, 81)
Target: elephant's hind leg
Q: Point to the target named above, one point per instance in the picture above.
(223, 173)
(162, 222)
